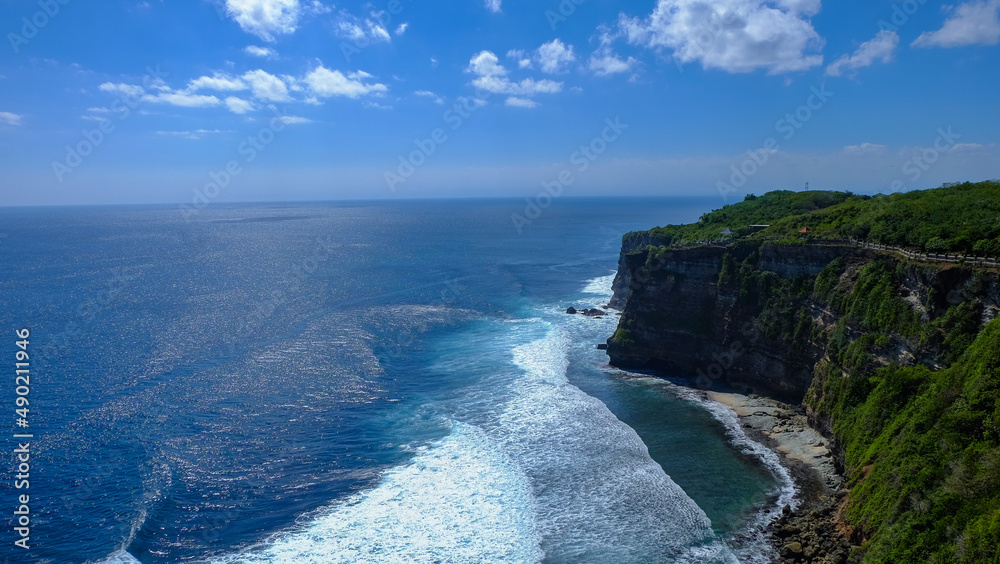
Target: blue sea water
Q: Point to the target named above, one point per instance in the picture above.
(356, 383)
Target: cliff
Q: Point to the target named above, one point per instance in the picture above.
(682, 316)
(865, 340)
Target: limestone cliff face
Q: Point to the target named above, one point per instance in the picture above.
(678, 319)
(632, 243)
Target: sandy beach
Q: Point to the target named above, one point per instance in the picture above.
(814, 532)
(786, 429)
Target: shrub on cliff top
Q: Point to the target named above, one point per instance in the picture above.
(953, 218)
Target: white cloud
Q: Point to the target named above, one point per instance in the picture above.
(266, 86)
(363, 30)
(491, 76)
(493, 5)
(193, 135)
(11, 119)
(316, 7)
(324, 83)
(972, 23)
(522, 61)
(263, 88)
(238, 105)
(486, 64)
(158, 84)
(428, 94)
(605, 63)
(552, 56)
(807, 7)
(265, 18)
(476, 102)
(129, 90)
(257, 51)
(182, 99)
(294, 84)
(881, 47)
(221, 82)
(869, 148)
(516, 102)
(736, 36)
(958, 147)
(294, 120)
(401, 29)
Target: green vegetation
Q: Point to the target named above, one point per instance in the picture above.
(778, 304)
(875, 305)
(754, 210)
(924, 452)
(922, 446)
(955, 218)
(623, 337)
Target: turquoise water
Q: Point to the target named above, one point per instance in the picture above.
(365, 382)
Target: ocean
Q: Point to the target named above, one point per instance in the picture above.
(392, 382)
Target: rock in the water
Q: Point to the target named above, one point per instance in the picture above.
(571, 310)
(602, 346)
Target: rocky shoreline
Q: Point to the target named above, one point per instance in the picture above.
(815, 532)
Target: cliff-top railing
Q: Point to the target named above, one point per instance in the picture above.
(951, 258)
(988, 262)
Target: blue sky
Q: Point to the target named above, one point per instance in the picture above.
(262, 100)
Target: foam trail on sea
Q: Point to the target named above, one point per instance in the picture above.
(459, 500)
(599, 496)
(600, 285)
(120, 557)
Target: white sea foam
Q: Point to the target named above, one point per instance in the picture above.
(787, 493)
(547, 471)
(120, 557)
(460, 500)
(599, 496)
(600, 285)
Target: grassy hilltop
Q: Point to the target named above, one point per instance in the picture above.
(961, 217)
